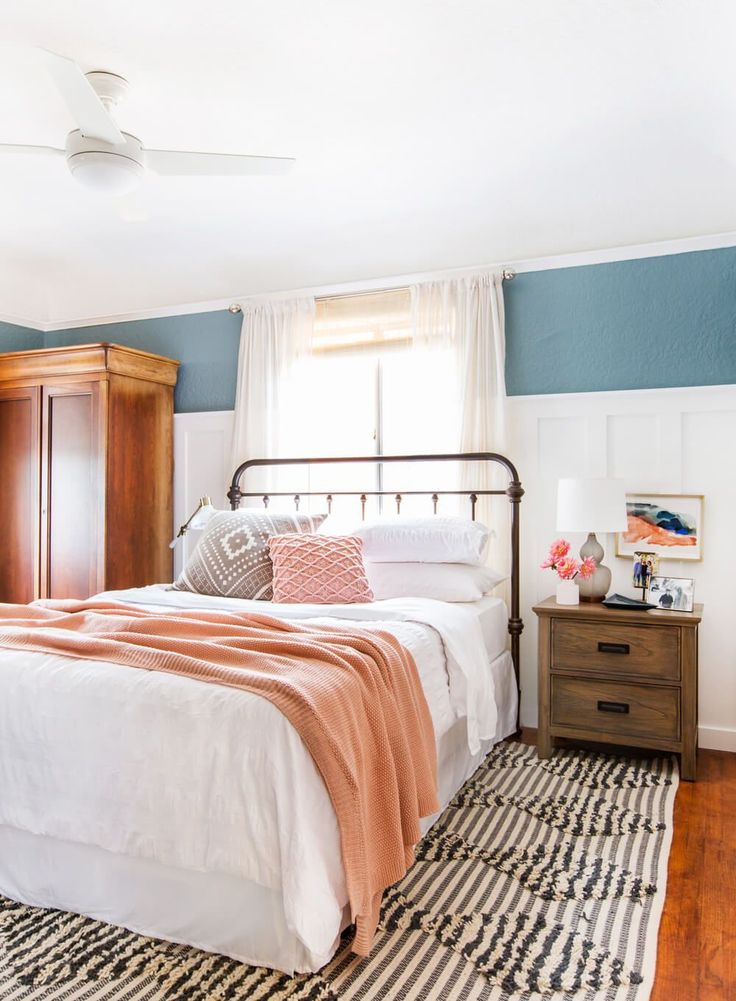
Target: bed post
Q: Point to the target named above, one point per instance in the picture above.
(515, 492)
(234, 495)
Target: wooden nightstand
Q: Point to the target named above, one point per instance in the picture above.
(626, 678)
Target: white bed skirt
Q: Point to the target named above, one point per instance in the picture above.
(214, 911)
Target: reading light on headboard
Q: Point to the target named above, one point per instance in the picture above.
(198, 519)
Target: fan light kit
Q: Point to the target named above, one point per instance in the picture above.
(104, 159)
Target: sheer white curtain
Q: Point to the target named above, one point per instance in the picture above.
(467, 315)
(275, 335)
(417, 372)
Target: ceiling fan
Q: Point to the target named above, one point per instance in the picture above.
(102, 158)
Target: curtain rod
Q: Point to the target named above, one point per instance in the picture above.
(507, 275)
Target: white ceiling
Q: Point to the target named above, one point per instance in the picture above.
(429, 134)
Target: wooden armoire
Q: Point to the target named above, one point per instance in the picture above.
(86, 470)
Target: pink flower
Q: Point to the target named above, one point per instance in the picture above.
(557, 551)
(567, 568)
(587, 567)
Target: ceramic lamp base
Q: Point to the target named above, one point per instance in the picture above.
(595, 588)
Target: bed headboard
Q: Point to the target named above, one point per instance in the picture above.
(514, 491)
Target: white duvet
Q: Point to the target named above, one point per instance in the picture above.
(202, 777)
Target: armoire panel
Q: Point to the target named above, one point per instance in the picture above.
(71, 538)
(139, 483)
(19, 493)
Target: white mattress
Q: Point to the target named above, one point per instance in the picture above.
(112, 786)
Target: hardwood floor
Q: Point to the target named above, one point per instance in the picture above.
(696, 956)
(696, 959)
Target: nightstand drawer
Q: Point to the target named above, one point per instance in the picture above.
(615, 708)
(650, 651)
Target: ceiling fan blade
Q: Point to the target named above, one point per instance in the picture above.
(90, 113)
(30, 150)
(167, 161)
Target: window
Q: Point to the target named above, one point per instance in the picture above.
(367, 389)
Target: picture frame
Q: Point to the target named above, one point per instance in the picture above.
(668, 525)
(646, 566)
(672, 594)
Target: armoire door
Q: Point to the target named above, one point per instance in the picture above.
(20, 443)
(72, 491)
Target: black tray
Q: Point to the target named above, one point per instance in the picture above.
(620, 601)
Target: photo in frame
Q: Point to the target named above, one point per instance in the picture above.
(672, 594)
(669, 526)
(646, 566)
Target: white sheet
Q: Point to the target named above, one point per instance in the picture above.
(249, 804)
(493, 618)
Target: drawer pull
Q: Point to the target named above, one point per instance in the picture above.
(613, 648)
(613, 707)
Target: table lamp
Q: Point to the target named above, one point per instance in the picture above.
(592, 505)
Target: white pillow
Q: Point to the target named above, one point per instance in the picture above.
(399, 539)
(442, 581)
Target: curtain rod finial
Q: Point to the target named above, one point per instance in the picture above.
(508, 274)
(235, 307)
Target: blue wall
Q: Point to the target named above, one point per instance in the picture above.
(206, 344)
(660, 321)
(14, 338)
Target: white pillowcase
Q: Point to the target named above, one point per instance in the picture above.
(442, 581)
(398, 539)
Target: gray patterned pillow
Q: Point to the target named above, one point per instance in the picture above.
(231, 559)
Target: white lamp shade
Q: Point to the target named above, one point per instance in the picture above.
(203, 513)
(591, 505)
(203, 517)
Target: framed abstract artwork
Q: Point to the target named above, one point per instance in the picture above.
(669, 526)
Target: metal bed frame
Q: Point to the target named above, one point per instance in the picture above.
(514, 491)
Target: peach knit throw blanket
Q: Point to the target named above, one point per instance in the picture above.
(354, 697)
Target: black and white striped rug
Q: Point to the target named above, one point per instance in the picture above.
(540, 880)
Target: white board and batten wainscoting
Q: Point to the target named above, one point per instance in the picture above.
(674, 441)
(202, 444)
(661, 440)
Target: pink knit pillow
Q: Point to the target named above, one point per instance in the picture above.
(318, 569)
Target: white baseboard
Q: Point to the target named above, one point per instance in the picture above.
(717, 738)
(711, 738)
